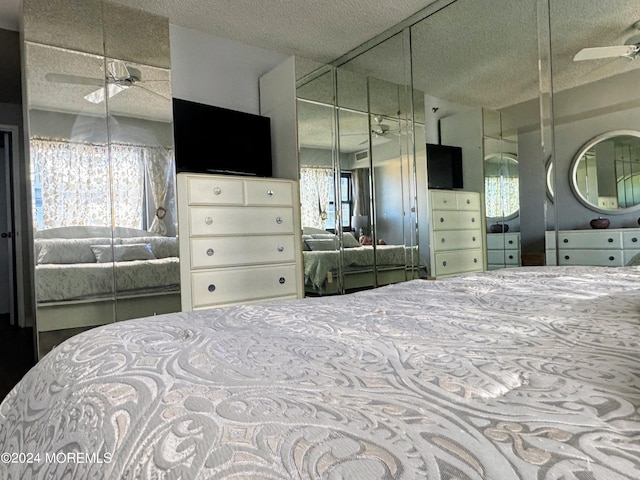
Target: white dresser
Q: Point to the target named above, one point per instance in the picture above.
(503, 250)
(608, 247)
(239, 240)
(455, 232)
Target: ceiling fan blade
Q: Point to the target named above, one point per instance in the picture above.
(118, 70)
(73, 79)
(137, 85)
(595, 53)
(97, 96)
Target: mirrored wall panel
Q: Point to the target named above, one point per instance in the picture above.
(357, 180)
(102, 171)
(483, 137)
(596, 113)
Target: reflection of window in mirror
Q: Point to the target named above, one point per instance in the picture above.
(502, 195)
(317, 194)
(73, 183)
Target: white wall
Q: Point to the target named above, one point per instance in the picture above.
(216, 71)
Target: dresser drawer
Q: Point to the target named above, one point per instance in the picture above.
(590, 239)
(265, 192)
(215, 287)
(223, 251)
(610, 258)
(215, 191)
(449, 263)
(456, 239)
(503, 240)
(631, 239)
(443, 200)
(468, 201)
(456, 220)
(503, 257)
(240, 221)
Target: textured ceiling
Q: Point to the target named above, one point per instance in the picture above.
(469, 53)
(319, 30)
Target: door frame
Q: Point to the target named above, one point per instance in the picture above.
(16, 224)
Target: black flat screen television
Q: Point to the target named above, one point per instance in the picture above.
(212, 139)
(444, 166)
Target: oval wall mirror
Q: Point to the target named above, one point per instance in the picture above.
(502, 195)
(551, 184)
(605, 173)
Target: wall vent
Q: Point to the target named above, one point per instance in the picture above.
(363, 155)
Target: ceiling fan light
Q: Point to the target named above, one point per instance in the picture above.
(97, 96)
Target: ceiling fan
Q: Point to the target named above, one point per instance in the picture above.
(119, 78)
(630, 50)
(617, 51)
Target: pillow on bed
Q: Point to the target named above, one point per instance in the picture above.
(314, 231)
(162, 247)
(123, 253)
(349, 241)
(67, 250)
(321, 244)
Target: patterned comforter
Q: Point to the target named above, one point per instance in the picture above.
(77, 281)
(317, 264)
(530, 373)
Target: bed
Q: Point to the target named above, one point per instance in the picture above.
(76, 277)
(324, 262)
(525, 373)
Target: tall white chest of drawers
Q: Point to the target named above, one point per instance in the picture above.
(239, 240)
(456, 235)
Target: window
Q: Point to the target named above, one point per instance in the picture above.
(73, 184)
(318, 198)
(346, 202)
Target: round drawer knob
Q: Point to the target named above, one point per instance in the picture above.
(210, 252)
(468, 202)
(217, 191)
(270, 193)
(473, 219)
(566, 240)
(444, 200)
(278, 220)
(441, 219)
(510, 242)
(211, 288)
(280, 248)
(634, 239)
(566, 257)
(281, 280)
(208, 220)
(475, 260)
(610, 240)
(612, 258)
(442, 240)
(510, 257)
(444, 264)
(473, 239)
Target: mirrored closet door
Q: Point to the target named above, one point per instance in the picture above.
(101, 163)
(357, 176)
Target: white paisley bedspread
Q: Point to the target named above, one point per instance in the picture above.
(529, 373)
(60, 282)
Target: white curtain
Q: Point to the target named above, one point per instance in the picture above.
(160, 168)
(315, 196)
(502, 196)
(75, 184)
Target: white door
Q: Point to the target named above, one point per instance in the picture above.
(6, 233)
